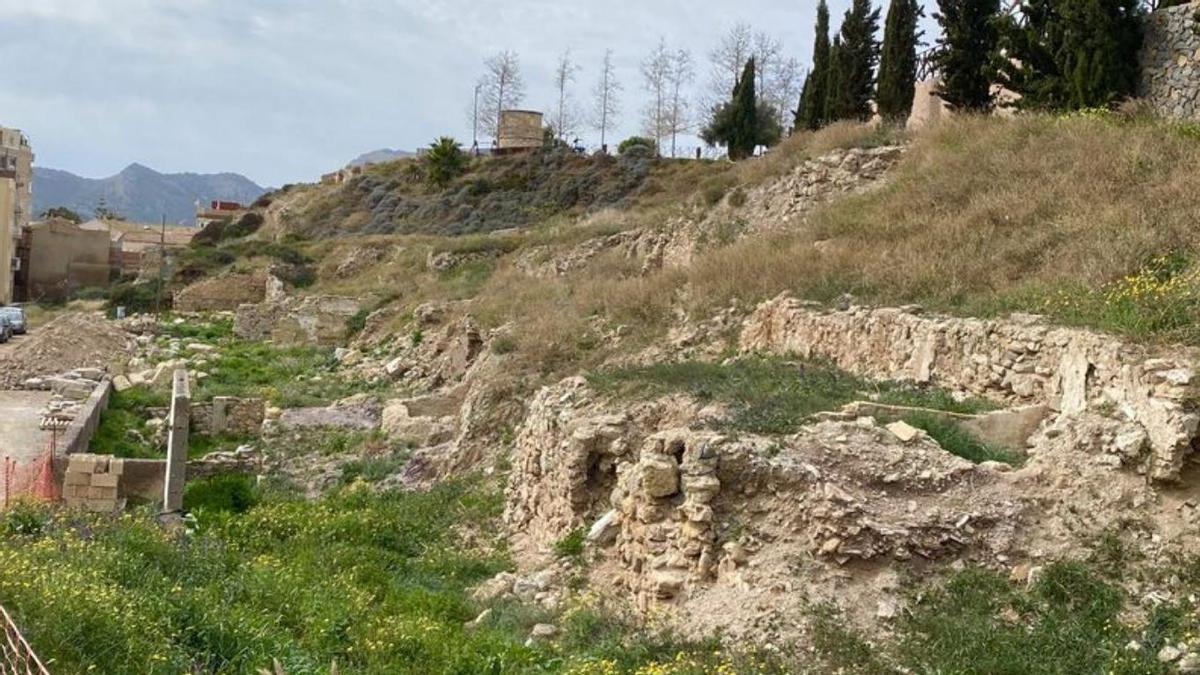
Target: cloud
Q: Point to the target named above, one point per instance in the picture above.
(283, 91)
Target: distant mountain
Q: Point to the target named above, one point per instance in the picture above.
(380, 156)
(139, 193)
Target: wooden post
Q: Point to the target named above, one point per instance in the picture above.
(177, 443)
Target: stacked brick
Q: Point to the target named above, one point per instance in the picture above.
(93, 483)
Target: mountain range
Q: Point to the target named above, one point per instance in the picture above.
(139, 193)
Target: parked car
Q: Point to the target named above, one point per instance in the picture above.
(16, 319)
(6, 330)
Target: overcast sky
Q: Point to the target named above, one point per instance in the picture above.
(284, 90)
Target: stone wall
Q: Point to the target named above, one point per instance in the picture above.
(1171, 62)
(222, 294)
(229, 415)
(311, 320)
(1017, 361)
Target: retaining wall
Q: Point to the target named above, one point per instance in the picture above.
(1171, 62)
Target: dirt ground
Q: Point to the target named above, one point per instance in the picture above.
(20, 438)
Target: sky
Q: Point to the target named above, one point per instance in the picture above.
(285, 90)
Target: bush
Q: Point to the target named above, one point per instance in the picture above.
(444, 161)
(232, 493)
(637, 142)
(245, 226)
(138, 297)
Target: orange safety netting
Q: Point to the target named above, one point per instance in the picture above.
(32, 479)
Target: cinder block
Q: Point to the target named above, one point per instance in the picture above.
(83, 463)
(101, 505)
(102, 493)
(106, 480)
(116, 465)
(78, 491)
(77, 478)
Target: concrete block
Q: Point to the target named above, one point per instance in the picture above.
(101, 505)
(95, 492)
(116, 466)
(86, 464)
(74, 478)
(106, 480)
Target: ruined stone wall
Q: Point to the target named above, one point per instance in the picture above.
(229, 415)
(1171, 62)
(222, 294)
(1019, 360)
(312, 320)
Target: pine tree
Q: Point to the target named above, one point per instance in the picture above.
(967, 52)
(858, 57)
(898, 61)
(812, 109)
(1070, 54)
(744, 133)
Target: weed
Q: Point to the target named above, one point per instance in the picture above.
(959, 442)
(571, 545)
(233, 493)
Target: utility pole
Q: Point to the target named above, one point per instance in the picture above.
(475, 123)
(162, 263)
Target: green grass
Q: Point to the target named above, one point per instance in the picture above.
(958, 441)
(1073, 619)
(204, 331)
(289, 377)
(570, 546)
(770, 395)
(122, 431)
(233, 493)
(378, 582)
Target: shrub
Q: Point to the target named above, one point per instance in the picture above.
(232, 493)
(637, 142)
(444, 161)
(245, 226)
(571, 545)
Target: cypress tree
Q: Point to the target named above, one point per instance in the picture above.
(837, 105)
(1070, 54)
(813, 108)
(858, 58)
(744, 123)
(898, 61)
(967, 52)
(800, 114)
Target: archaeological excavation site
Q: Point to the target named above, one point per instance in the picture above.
(857, 387)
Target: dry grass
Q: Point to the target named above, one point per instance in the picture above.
(982, 216)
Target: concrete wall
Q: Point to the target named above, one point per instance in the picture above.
(7, 231)
(64, 257)
(79, 435)
(1171, 62)
(520, 129)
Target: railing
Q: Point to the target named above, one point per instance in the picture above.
(16, 656)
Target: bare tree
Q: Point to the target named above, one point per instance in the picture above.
(567, 119)
(501, 88)
(606, 99)
(727, 60)
(656, 78)
(768, 53)
(682, 73)
(784, 87)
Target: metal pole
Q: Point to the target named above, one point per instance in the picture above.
(475, 123)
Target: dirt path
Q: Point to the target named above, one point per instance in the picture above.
(20, 438)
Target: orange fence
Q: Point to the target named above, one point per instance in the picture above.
(16, 656)
(30, 480)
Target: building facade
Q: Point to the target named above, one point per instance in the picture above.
(16, 202)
